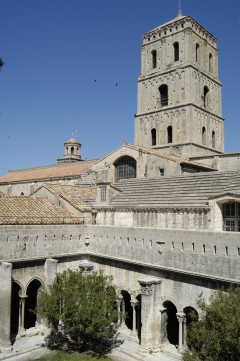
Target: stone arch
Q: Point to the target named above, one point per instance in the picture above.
(125, 167)
(172, 327)
(32, 292)
(191, 314)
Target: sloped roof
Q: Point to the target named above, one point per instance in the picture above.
(49, 172)
(29, 210)
(167, 156)
(80, 198)
(160, 154)
(192, 190)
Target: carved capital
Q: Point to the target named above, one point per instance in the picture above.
(147, 289)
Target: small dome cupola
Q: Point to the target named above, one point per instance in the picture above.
(72, 150)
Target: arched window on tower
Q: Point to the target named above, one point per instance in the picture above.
(154, 59)
(125, 168)
(213, 139)
(210, 62)
(197, 52)
(176, 51)
(203, 135)
(205, 97)
(169, 134)
(72, 150)
(163, 90)
(154, 136)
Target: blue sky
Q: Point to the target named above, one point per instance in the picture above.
(63, 59)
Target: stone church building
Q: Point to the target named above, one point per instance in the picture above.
(161, 215)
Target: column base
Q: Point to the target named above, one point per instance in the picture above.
(5, 347)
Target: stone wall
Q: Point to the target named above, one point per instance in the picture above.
(211, 255)
(193, 218)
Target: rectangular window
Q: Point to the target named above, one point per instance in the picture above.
(161, 171)
(103, 193)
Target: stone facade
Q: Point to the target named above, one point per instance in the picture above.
(160, 231)
(179, 93)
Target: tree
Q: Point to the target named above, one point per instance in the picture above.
(85, 306)
(216, 336)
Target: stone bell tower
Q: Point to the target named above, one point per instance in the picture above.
(179, 92)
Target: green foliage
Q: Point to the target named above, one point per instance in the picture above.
(64, 356)
(216, 337)
(86, 306)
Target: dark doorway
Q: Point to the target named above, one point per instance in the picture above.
(127, 307)
(31, 304)
(16, 289)
(138, 318)
(172, 322)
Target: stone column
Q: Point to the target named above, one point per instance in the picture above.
(164, 317)
(151, 319)
(134, 305)
(50, 271)
(119, 301)
(21, 329)
(181, 337)
(185, 332)
(5, 304)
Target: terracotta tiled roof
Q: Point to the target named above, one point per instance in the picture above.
(79, 197)
(48, 172)
(27, 210)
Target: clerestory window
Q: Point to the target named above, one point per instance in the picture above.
(125, 168)
(231, 217)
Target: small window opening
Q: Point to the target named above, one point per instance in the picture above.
(103, 193)
(163, 89)
(210, 63)
(204, 136)
(154, 136)
(169, 134)
(231, 217)
(205, 97)
(72, 150)
(176, 51)
(213, 139)
(161, 172)
(154, 59)
(197, 53)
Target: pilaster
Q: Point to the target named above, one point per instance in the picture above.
(150, 332)
(5, 304)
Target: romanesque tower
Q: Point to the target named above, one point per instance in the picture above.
(179, 92)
